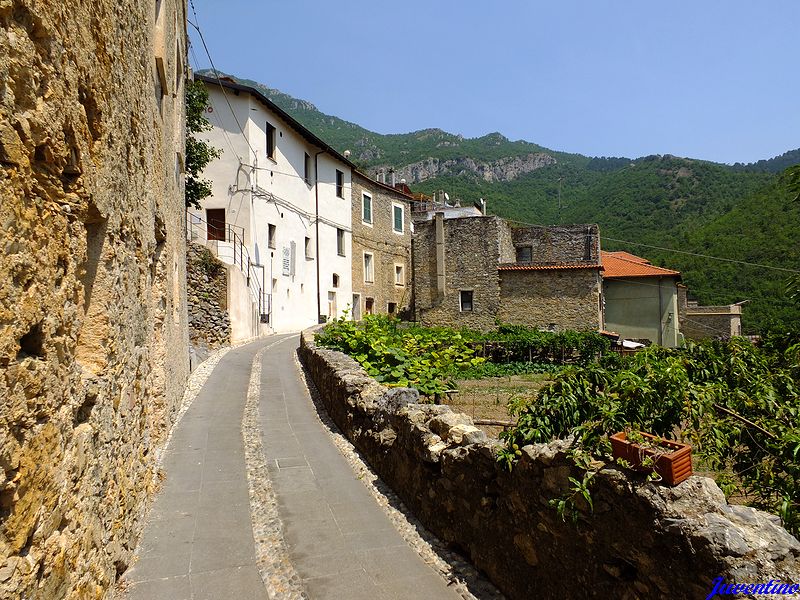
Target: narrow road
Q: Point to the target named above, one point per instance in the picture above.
(198, 541)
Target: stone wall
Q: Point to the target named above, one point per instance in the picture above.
(565, 244)
(552, 299)
(642, 541)
(207, 292)
(387, 247)
(93, 327)
(472, 254)
(704, 322)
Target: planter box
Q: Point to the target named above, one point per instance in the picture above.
(673, 465)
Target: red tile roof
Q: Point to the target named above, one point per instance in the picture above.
(556, 267)
(624, 264)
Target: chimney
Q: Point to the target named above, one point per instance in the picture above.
(394, 182)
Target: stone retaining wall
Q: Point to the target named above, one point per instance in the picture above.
(207, 292)
(642, 541)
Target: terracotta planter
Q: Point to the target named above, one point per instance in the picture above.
(673, 460)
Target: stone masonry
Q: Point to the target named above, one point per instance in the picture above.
(93, 328)
(559, 287)
(389, 249)
(207, 292)
(641, 540)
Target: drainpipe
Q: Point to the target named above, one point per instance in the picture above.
(316, 225)
(660, 316)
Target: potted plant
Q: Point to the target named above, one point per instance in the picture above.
(669, 460)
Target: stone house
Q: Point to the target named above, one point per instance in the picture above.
(641, 299)
(473, 271)
(702, 322)
(286, 194)
(381, 252)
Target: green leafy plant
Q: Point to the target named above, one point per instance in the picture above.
(198, 152)
(401, 355)
(737, 404)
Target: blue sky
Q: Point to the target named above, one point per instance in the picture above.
(709, 79)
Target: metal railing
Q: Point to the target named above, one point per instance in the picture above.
(198, 230)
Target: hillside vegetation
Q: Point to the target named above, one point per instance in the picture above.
(740, 212)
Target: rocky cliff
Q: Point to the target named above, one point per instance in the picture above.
(504, 169)
(93, 331)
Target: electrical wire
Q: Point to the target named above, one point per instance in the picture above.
(216, 75)
(697, 254)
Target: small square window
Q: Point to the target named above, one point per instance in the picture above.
(524, 254)
(366, 209)
(271, 241)
(271, 141)
(399, 275)
(466, 300)
(369, 268)
(391, 308)
(397, 212)
(340, 242)
(339, 184)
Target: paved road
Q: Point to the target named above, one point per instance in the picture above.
(198, 541)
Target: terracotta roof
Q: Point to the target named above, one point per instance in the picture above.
(555, 267)
(624, 264)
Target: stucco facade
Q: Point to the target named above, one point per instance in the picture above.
(288, 195)
(382, 229)
(94, 343)
(641, 299)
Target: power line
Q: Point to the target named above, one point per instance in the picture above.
(217, 77)
(697, 254)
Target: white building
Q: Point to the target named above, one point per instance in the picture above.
(286, 194)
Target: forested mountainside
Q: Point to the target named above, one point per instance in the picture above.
(738, 212)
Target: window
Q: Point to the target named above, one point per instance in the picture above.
(369, 268)
(309, 249)
(340, 242)
(399, 276)
(391, 308)
(307, 168)
(271, 242)
(369, 306)
(397, 213)
(335, 281)
(524, 254)
(270, 141)
(356, 307)
(466, 300)
(339, 184)
(366, 210)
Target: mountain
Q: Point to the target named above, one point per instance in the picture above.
(739, 212)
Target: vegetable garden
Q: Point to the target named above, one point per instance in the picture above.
(738, 405)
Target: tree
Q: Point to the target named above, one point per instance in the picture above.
(198, 152)
(791, 178)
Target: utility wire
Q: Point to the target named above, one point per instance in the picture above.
(216, 75)
(697, 254)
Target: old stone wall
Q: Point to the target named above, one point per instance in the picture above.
(389, 249)
(472, 254)
(565, 244)
(207, 293)
(93, 326)
(704, 322)
(641, 541)
(553, 299)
